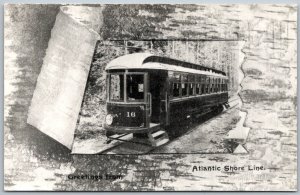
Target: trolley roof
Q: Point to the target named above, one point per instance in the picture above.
(150, 61)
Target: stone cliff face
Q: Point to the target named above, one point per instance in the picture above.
(268, 92)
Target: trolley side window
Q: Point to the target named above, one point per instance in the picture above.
(184, 85)
(203, 87)
(191, 89)
(222, 85)
(191, 85)
(176, 90)
(198, 88)
(116, 86)
(225, 85)
(215, 85)
(184, 89)
(135, 87)
(206, 88)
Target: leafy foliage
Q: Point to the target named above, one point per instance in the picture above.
(127, 22)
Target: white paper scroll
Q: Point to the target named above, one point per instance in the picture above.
(60, 86)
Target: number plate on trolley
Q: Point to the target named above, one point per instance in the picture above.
(127, 115)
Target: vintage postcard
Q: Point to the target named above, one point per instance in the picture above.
(150, 97)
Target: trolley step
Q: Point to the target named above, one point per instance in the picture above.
(158, 133)
(163, 141)
(158, 138)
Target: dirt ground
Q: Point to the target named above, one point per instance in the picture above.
(204, 135)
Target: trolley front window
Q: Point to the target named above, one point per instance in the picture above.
(135, 87)
(131, 88)
(116, 87)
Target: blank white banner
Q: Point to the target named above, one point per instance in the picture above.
(61, 83)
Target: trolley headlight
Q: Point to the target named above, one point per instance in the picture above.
(109, 119)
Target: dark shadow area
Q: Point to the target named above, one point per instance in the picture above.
(189, 124)
(41, 145)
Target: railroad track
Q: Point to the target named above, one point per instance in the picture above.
(124, 144)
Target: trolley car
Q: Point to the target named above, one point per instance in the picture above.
(147, 93)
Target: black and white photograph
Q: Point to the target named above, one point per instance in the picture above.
(150, 97)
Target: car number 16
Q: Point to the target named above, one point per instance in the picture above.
(131, 114)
